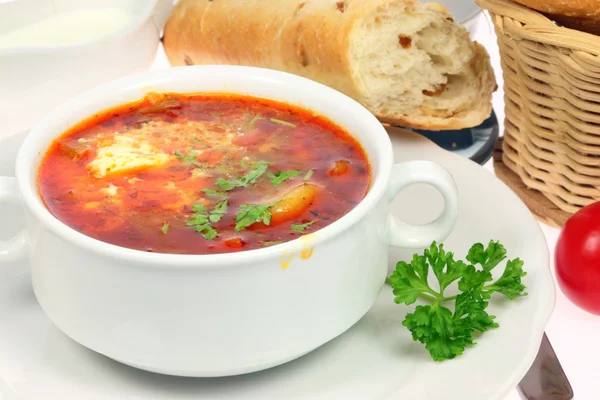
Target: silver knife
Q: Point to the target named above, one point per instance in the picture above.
(546, 379)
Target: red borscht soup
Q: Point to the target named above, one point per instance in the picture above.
(202, 174)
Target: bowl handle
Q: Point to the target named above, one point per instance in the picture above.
(15, 247)
(404, 235)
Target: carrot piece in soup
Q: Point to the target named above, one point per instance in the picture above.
(234, 243)
(340, 167)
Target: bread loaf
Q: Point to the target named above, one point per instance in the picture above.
(569, 8)
(582, 15)
(589, 25)
(409, 64)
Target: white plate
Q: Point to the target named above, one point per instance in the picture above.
(376, 359)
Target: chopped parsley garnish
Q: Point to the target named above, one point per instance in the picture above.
(446, 333)
(224, 184)
(165, 228)
(201, 222)
(300, 228)
(281, 122)
(253, 120)
(207, 231)
(190, 159)
(249, 214)
(212, 192)
(250, 119)
(258, 169)
(272, 243)
(309, 174)
(200, 215)
(280, 176)
(200, 212)
(218, 212)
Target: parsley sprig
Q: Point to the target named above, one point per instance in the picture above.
(446, 333)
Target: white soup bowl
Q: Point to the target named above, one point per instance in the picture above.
(223, 314)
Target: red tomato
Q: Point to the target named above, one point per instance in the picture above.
(577, 258)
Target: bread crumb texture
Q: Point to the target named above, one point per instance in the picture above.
(415, 64)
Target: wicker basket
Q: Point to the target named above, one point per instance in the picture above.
(552, 104)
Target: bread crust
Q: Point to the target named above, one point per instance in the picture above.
(581, 15)
(306, 38)
(589, 25)
(226, 34)
(569, 8)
